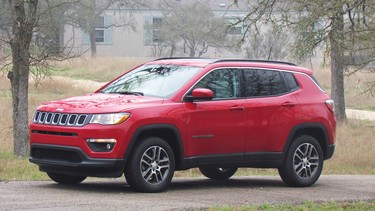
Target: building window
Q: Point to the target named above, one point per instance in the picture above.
(234, 29)
(152, 30)
(99, 29)
(99, 35)
(103, 31)
(157, 23)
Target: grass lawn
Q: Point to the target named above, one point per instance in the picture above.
(359, 206)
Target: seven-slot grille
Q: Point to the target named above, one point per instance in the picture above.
(50, 118)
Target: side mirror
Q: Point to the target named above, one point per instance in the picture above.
(199, 94)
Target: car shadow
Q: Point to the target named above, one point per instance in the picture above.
(178, 184)
(234, 182)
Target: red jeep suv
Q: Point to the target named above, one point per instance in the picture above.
(179, 113)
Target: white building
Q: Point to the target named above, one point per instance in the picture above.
(141, 42)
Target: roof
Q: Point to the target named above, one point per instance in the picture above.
(218, 62)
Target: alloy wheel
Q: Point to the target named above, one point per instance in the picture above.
(154, 165)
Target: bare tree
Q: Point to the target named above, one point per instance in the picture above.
(23, 32)
(339, 25)
(195, 26)
(24, 19)
(86, 14)
(270, 44)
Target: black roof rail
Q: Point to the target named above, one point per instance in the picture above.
(164, 58)
(215, 60)
(251, 60)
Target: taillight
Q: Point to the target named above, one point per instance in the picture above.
(330, 105)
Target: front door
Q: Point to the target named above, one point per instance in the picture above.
(217, 126)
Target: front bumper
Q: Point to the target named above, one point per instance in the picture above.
(72, 160)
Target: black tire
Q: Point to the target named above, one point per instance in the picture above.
(217, 173)
(66, 179)
(151, 166)
(303, 163)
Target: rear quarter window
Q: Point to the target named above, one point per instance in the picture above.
(291, 81)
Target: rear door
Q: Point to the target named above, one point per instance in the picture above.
(270, 107)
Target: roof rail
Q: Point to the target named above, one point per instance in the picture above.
(251, 60)
(213, 60)
(181, 58)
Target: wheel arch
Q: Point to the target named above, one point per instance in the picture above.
(316, 130)
(167, 132)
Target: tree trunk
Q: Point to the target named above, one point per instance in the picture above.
(22, 28)
(19, 78)
(92, 42)
(192, 52)
(337, 66)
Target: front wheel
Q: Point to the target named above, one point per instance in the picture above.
(66, 179)
(217, 173)
(151, 166)
(304, 162)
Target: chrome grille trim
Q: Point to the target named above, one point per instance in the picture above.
(72, 119)
(81, 119)
(64, 119)
(61, 119)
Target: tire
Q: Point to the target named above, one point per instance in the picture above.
(66, 179)
(303, 163)
(217, 173)
(151, 166)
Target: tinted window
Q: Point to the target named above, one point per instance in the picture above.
(291, 81)
(223, 82)
(252, 83)
(263, 83)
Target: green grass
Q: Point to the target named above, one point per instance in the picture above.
(358, 205)
(13, 168)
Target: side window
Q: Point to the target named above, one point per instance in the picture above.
(223, 82)
(291, 81)
(271, 83)
(264, 83)
(252, 83)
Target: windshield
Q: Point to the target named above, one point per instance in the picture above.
(152, 80)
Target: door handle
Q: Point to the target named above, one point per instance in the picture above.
(237, 108)
(288, 104)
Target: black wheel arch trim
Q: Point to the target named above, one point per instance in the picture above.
(179, 156)
(327, 148)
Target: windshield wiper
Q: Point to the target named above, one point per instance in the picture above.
(128, 93)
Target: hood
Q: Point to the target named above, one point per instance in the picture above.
(99, 103)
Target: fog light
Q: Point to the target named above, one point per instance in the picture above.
(101, 145)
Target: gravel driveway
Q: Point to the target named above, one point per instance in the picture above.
(184, 193)
(360, 114)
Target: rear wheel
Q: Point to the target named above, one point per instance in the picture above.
(151, 166)
(66, 179)
(217, 173)
(304, 162)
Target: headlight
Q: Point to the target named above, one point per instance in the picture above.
(109, 119)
